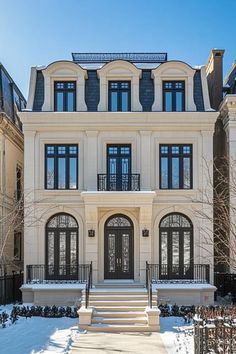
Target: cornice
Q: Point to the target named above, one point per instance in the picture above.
(11, 131)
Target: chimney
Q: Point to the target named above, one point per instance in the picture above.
(214, 71)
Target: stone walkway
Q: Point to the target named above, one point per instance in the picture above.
(128, 343)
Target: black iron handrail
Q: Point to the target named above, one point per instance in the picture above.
(88, 286)
(199, 273)
(41, 273)
(149, 284)
(118, 182)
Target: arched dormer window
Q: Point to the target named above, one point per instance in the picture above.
(119, 87)
(64, 87)
(173, 87)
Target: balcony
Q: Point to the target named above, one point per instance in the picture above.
(41, 274)
(163, 273)
(118, 182)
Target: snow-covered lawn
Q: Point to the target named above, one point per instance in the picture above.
(37, 335)
(54, 335)
(177, 336)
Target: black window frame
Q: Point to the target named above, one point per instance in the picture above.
(18, 234)
(173, 90)
(169, 155)
(119, 91)
(67, 156)
(65, 91)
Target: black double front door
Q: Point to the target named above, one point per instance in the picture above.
(118, 253)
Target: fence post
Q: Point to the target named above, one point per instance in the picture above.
(13, 287)
(5, 288)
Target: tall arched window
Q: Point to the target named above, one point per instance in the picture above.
(176, 247)
(62, 247)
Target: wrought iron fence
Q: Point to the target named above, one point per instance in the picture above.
(215, 330)
(41, 273)
(10, 287)
(199, 273)
(118, 182)
(88, 286)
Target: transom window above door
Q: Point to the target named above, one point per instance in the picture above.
(64, 96)
(173, 96)
(61, 166)
(119, 98)
(176, 166)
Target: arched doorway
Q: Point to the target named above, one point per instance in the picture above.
(176, 247)
(118, 248)
(62, 247)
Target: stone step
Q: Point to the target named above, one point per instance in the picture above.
(120, 328)
(122, 314)
(120, 285)
(120, 308)
(111, 297)
(98, 303)
(123, 291)
(121, 320)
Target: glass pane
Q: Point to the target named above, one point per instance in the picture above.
(62, 253)
(61, 173)
(50, 247)
(50, 150)
(186, 172)
(114, 101)
(175, 248)
(61, 150)
(112, 166)
(175, 172)
(50, 173)
(73, 248)
(164, 172)
(175, 220)
(70, 101)
(59, 102)
(124, 101)
(164, 248)
(118, 221)
(179, 102)
(73, 173)
(125, 165)
(187, 245)
(111, 253)
(168, 101)
(112, 150)
(125, 253)
(61, 221)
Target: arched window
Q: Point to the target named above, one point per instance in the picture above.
(176, 247)
(62, 247)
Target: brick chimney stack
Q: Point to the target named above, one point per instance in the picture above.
(214, 71)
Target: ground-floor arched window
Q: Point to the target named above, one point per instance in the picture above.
(176, 247)
(62, 247)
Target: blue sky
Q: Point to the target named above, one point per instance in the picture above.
(39, 32)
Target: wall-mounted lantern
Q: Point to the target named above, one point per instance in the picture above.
(145, 232)
(91, 233)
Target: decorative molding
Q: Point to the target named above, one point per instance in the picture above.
(11, 131)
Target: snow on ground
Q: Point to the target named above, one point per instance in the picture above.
(37, 335)
(177, 336)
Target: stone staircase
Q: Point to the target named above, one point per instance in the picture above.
(119, 308)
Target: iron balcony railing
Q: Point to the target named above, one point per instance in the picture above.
(199, 273)
(118, 182)
(41, 273)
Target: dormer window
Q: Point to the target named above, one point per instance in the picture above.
(119, 96)
(64, 96)
(173, 96)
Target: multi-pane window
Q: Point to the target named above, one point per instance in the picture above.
(64, 96)
(173, 96)
(176, 166)
(119, 96)
(17, 246)
(61, 166)
(18, 183)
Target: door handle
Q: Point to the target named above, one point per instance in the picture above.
(117, 261)
(120, 261)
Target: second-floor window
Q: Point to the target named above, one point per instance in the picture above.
(18, 183)
(119, 96)
(175, 166)
(61, 166)
(64, 96)
(173, 96)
